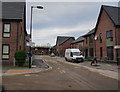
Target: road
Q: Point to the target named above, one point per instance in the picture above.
(62, 76)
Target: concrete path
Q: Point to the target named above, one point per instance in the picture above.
(37, 66)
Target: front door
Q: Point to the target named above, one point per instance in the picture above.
(110, 53)
(86, 53)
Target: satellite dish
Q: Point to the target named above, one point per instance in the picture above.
(96, 37)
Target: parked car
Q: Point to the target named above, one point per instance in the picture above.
(74, 55)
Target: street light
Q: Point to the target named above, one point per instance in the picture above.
(38, 7)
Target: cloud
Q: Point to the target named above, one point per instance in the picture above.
(62, 18)
(49, 35)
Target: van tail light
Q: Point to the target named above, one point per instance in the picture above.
(81, 53)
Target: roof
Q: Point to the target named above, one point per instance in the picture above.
(62, 39)
(112, 12)
(80, 39)
(13, 10)
(90, 32)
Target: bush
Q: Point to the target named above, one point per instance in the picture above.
(20, 57)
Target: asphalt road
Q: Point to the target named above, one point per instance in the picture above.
(62, 76)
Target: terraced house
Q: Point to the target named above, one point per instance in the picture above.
(63, 43)
(78, 44)
(89, 45)
(107, 34)
(13, 30)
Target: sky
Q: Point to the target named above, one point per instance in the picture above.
(62, 19)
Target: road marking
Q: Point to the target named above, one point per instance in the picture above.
(62, 71)
(27, 74)
(75, 67)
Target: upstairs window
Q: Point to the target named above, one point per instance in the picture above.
(109, 34)
(86, 40)
(6, 30)
(100, 37)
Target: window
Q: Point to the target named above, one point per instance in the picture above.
(100, 37)
(86, 40)
(101, 52)
(6, 30)
(109, 34)
(5, 51)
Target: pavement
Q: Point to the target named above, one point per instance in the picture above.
(37, 66)
(109, 70)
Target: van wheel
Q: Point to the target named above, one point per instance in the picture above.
(82, 60)
(66, 59)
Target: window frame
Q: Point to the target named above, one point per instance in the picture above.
(6, 32)
(109, 34)
(86, 40)
(101, 52)
(5, 53)
(100, 37)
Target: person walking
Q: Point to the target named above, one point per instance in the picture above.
(94, 61)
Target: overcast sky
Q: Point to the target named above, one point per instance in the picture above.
(62, 19)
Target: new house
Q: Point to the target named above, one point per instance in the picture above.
(89, 45)
(78, 44)
(63, 43)
(107, 33)
(13, 30)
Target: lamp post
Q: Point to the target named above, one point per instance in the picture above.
(38, 7)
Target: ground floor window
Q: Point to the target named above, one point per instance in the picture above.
(101, 53)
(110, 53)
(5, 51)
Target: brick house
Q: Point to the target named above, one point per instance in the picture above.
(89, 44)
(78, 43)
(41, 50)
(107, 33)
(63, 43)
(13, 30)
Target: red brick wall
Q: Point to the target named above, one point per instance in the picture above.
(64, 46)
(40, 50)
(0, 40)
(78, 45)
(17, 30)
(117, 36)
(86, 45)
(105, 24)
(118, 40)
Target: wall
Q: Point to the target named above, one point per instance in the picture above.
(105, 24)
(65, 46)
(16, 40)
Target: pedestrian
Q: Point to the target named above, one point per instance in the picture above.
(94, 61)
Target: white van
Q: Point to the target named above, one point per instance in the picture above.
(74, 55)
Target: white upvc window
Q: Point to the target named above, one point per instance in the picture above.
(6, 30)
(5, 51)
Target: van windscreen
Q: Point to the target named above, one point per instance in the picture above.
(76, 53)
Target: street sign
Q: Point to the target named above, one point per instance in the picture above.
(30, 44)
